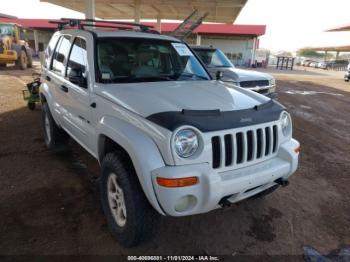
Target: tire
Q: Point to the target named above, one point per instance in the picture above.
(31, 105)
(55, 137)
(30, 61)
(129, 215)
(22, 61)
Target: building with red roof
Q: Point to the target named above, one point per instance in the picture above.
(239, 42)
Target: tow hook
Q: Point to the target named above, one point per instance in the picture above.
(282, 182)
(224, 202)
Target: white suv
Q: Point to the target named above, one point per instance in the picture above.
(169, 139)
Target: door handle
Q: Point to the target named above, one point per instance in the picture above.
(64, 88)
(48, 78)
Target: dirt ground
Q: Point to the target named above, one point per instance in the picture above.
(49, 204)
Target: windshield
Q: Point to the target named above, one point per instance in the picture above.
(127, 60)
(213, 58)
(7, 30)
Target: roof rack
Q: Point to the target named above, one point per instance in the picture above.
(82, 23)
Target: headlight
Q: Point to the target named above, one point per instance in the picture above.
(186, 143)
(272, 82)
(286, 124)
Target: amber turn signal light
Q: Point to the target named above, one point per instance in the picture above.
(297, 150)
(177, 182)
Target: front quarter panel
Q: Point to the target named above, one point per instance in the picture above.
(142, 150)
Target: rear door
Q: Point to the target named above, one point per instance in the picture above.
(47, 74)
(77, 100)
(56, 78)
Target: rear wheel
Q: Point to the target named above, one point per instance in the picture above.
(55, 137)
(30, 61)
(22, 61)
(31, 105)
(129, 215)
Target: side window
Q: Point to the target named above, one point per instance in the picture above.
(78, 57)
(60, 55)
(49, 50)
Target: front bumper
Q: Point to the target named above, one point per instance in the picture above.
(234, 185)
(264, 90)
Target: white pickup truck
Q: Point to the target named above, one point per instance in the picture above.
(170, 140)
(216, 61)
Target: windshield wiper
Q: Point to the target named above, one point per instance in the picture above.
(132, 78)
(193, 75)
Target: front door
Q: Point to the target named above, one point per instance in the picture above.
(78, 94)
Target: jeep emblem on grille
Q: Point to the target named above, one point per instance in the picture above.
(246, 119)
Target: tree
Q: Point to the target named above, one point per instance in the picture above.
(309, 53)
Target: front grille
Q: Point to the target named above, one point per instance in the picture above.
(263, 91)
(254, 83)
(238, 148)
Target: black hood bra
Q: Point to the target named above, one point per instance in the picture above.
(216, 120)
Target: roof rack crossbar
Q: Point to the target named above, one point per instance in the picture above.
(80, 23)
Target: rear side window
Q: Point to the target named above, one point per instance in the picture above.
(49, 50)
(78, 57)
(61, 53)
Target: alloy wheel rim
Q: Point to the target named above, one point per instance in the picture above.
(116, 200)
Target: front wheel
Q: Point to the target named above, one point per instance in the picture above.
(129, 215)
(22, 61)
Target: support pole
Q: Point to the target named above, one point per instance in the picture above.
(90, 9)
(36, 42)
(137, 11)
(199, 39)
(337, 55)
(325, 56)
(253, 52)
(159, 24)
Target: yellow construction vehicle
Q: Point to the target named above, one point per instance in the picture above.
(13, 48)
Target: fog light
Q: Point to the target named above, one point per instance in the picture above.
(185, 203)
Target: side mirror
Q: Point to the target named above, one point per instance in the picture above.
(75, 76)
(219, 74)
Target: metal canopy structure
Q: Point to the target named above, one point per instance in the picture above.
(342, 28)
(331, 48)
(220, 11)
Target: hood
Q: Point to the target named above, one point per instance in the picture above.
(238, 75)
(155, 97)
